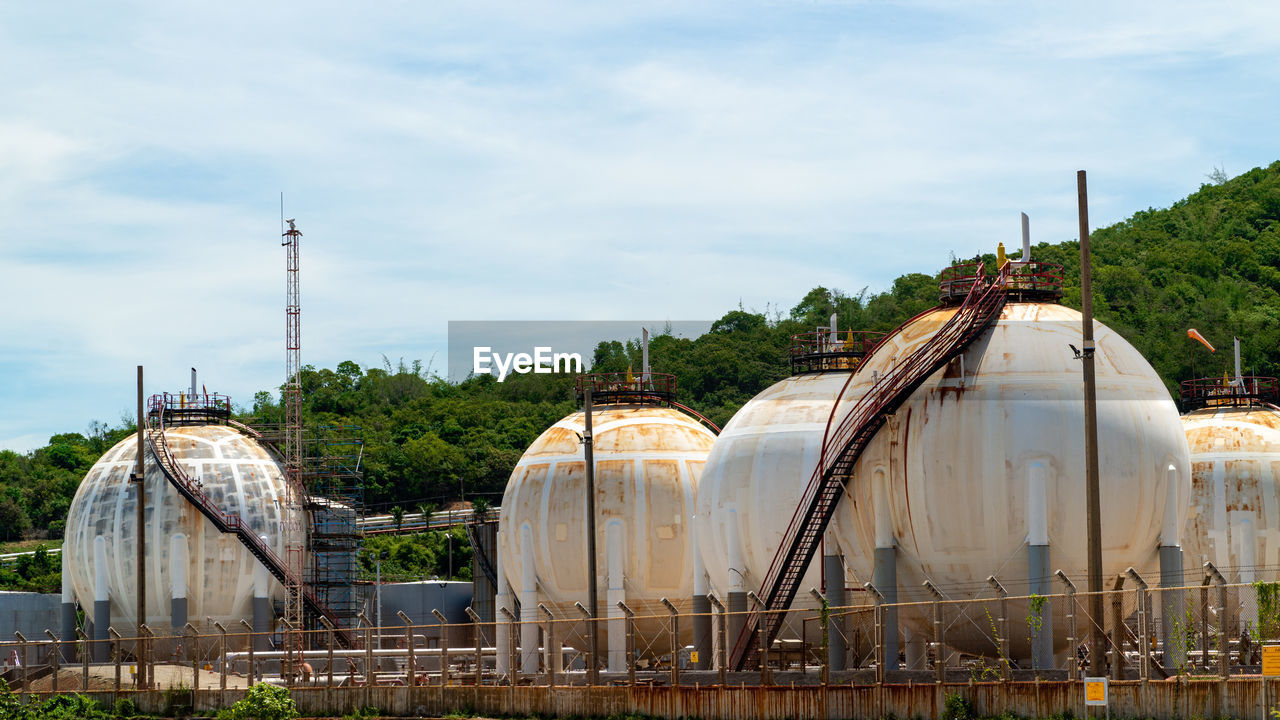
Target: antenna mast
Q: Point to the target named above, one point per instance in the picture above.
(295, 493)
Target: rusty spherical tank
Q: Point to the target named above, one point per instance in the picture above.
(947, 479)
(648, 461)
(755, 476)
(1234, 519)
(219, 574)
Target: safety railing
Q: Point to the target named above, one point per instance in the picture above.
(823, 350)
(1227, 392)
(627, 387)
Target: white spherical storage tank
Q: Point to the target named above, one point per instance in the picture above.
(648, 460)
(183, 549)
(760, 464)
(954, 480)
(1234, 520)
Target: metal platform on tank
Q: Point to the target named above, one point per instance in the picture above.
(1032, 281)
(188, 409)
(1224, 392)
(825, 351)
(627, 388)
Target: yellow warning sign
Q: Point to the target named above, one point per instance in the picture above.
(1095, 691)
(1271, 660)
(693, 655)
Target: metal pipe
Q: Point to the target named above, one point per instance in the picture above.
(514, 670)
(1224, 650)
(222, 652)
(139, 477)
(722, 660)
(550, 644)
(675, 642)
(1093, 497)
(408, 644)
(593, 630)
(631, 642)
(878, 623)
(53, 659)
(939, 661)
(253, 677)
(766, 676)
(1003, 621)
(824, 619)
(1144, 641)
(478, 622)
(1073, 665)
(444, 646)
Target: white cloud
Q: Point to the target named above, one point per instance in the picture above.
(568, 161)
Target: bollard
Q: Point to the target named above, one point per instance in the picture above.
(826, 635)
(475, 619)
(631, 642)
(253, 677)
(550, 641)
(766, 676)
(1003, 621)
(444, 646)
(411, 666)
(878, 621)
(722, 659)
(514, 672)
(939, 662)
(675, 642)
(1073, 667)
(1144, 643)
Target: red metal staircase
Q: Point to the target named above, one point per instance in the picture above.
(208, 409)
(842, 447)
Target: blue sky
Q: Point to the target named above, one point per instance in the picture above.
(467, 161)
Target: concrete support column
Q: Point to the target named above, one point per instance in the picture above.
(1038, 570)
(615, 558)
(528, 603)
(833, 573)
(68, 614)
(701, 606)
(504, 599)
(737, 591)
(262, 612)
(178, 582)
(885, 571)
(1173, 613)
(101, 602)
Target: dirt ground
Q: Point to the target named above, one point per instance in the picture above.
(103, 677)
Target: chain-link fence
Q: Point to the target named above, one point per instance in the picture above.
(1130, 631)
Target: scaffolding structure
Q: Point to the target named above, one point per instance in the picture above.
(333, 477)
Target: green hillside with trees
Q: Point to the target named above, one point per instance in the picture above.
(1211, 261)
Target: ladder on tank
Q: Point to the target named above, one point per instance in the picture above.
(227, 522)
(841, 449)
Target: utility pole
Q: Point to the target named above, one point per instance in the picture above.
(593, 632)
(139, 477)
(1093, 512)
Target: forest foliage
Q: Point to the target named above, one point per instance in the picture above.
(1211, 261)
